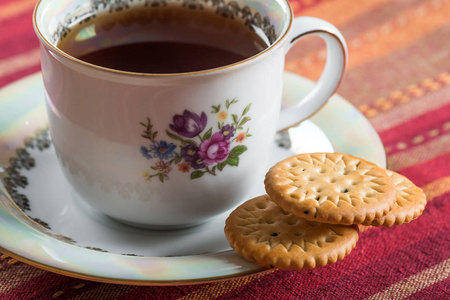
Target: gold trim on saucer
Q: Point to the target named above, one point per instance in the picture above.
(130, 281)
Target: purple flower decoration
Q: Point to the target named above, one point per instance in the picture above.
(227, 131)
(190, 154)
(214, 150)
(189, 124)
(198, 164)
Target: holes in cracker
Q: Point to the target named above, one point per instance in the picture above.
(293, 164)
(321, 170)
(270, 221)
(344, 190)
(275, 234)
(298, 170)
(291, 221)
(329, 239)
(320, 189)
(333, 180)
(298, 233)
(261, 205)
(346, 172)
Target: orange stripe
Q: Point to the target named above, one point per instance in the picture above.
(437, 188)
(19, 62)
(333, 11)
(407, 27)
(419, 153)
(221, 288)
(415, 283)
(399, 97)
(419, 138)
(411, 25)
(15, 8)
(26, 272)
(413, 109)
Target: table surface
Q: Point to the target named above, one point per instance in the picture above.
(398, 75)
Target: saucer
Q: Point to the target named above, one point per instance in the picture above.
(43, 223)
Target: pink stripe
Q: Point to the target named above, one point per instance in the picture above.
(18, 75)
(4, 2)
(374, 277)
(10, 48)
(407, 246)
(416, 126)
(428, 171)
(17, 31)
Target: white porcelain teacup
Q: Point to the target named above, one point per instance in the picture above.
(174, 150)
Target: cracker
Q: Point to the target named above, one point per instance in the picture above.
(331, 188)
(261, 232)
(409, 205)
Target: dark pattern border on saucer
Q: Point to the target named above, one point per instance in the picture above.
(227, 9)
(21, 161)
(15, 180)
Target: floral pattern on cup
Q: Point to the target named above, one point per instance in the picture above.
(193, 148)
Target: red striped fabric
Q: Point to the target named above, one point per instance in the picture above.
(429, 171)
(399, 77)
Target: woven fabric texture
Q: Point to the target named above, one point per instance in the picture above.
(398, 76)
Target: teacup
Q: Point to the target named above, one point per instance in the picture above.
(174, 150)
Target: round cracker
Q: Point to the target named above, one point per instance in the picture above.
(331, 188)
(409, 204)
(261, 232)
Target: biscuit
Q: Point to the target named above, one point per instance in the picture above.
(261, 232)
(331, 188)
(409, 205)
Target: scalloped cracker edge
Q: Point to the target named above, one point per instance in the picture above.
(261, 232)
(331, 188)
(409, 204)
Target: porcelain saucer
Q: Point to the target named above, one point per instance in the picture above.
(42, 221)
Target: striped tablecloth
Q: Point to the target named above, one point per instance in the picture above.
(399, 77)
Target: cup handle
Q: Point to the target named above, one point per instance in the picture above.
(331, 75)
